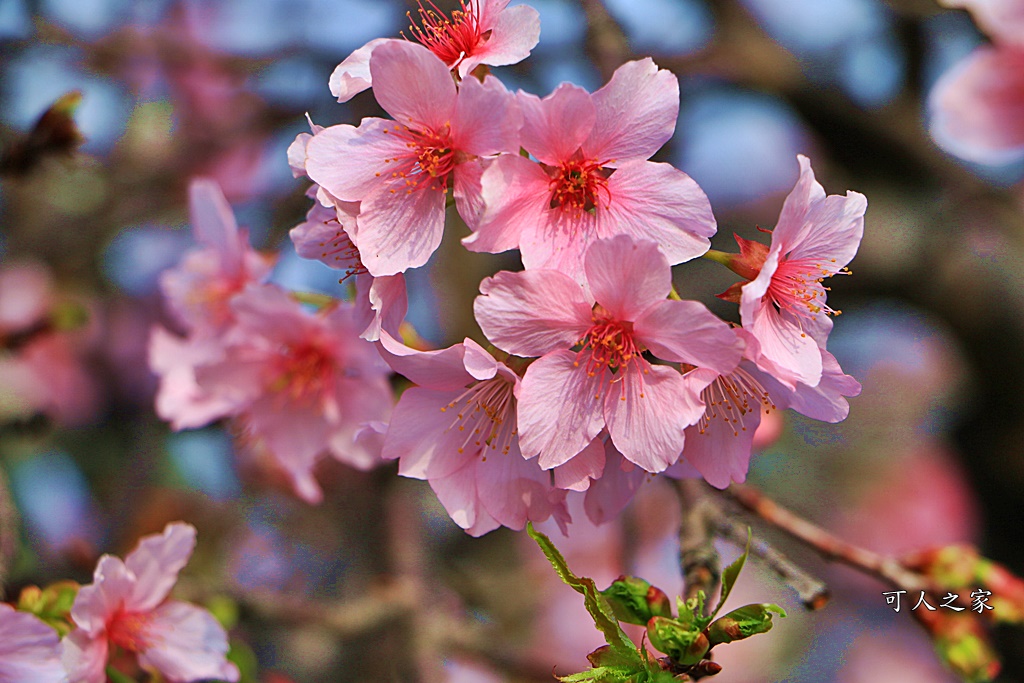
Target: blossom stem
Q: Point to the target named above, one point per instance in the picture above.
(888, 569)
(674, 295)
(722, 257)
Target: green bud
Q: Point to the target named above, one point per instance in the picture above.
(742, 623)
(635, 601)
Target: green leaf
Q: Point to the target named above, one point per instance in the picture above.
(635, 601)
(598, 607)
(115, 676)
(743, 622)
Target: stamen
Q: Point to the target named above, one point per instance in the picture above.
(609, 346)
(451, 39)
(485, 413)
(730, 397)
(578, 185)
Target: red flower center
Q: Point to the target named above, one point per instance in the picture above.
(451, 39)
(609, 345)
(305, 371)
(486, 414)
(577, 185)
(127, 630)
(429, 161)
(730, 397)
(797, 286)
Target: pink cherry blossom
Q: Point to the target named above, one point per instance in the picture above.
(783, 305)
(126, 606)
(302, 384)
(457, 429)
(480, 32)
(1001, 19)
(719, 445)
(200, 288)
(26, 296)
(381, 302)
(400, 171)
(977, 107)
(29, 649)
(567, 396)
(592, 179)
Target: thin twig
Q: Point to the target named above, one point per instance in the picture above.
(8, 530)
(698, 558)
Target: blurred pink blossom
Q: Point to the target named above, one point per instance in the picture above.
(126, 605)
(1001, 19)
(29, 649)
(592, 179)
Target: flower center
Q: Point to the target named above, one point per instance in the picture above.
(343, 253)
(609, 346)
(305, 371)
(796, 286)
(127, 630)
(485, 412)
(451, 39)
(730, 397)
(577, 184)
(429, 161)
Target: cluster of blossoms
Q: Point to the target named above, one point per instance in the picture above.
(977, 107)
(599, 375)
(124, 611)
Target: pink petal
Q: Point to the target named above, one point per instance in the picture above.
(458, 495)
(350, 163)
(555, 127)
(610, 494)
(626, 275)
(26, 295)
(559, 240)
(515, 31)
(514, 194)
(812, 226)
(559, 409)
(487, 119)
(532, 312)
(636, 113)
(443, 369)
(352, 76)
(389, 302)
(84, 657)
(721, 453)
(412, 84)
(156, 563)
(687, 332)
(1001, 19)
(786, 344)
(98, 601)
(322, 233)
(30, 650)
(827, 400)
(423, 433)
(646, 414)
(180, 400)
(188, 644)
(977, 107)
(512, 489)
(480, 363)
(577, 473)
(297, 154)
(213, 223)
(661, 203)
(399, 231)
(295, 435)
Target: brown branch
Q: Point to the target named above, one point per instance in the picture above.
(698, 558)
(606, 41)
(8, 530)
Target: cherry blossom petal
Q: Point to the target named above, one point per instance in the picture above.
(827, 400)
(785, 343)
(156, 563)
(423, 436)
(798, 202)
(627, 276)
(559, 409)
(30, 650)
(213, 224)
(320, 236)
(512, 489)
(609, 495)
(636, 113)
(458, 494)
(646, 414)
(297, 154)
(687, 332)
(658, 202)
(98, 601)
(555, 127)
(387, 245)
(1001, 19)
(532, 312)
(515, 193)
(296, 435)
(352, 76)
(443, 369)
(514, 32)
(349, 162)
(187, 644)
(487, 118)
(721, 452)
(577, 473)
(84, 657)
(481, 364)
(26, 295)
(388, 303)
(180, 400)
(559, 241)
(977, 107)
(412, 84)
(467, 187)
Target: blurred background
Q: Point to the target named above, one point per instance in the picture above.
(376, 583)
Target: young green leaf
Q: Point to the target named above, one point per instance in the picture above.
(635, 601)
(743, 622)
